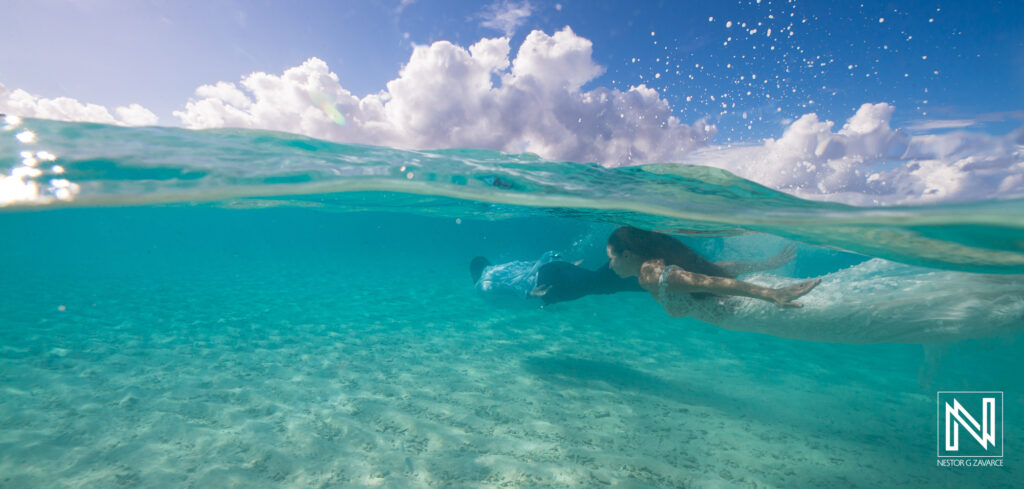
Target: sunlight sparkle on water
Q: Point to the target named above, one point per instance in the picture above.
(26, 137)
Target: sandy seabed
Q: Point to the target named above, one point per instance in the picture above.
(220, 382)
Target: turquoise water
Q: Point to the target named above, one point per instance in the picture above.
(250, 309)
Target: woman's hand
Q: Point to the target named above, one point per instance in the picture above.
(785, 296)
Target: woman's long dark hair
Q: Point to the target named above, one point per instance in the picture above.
(650, 245)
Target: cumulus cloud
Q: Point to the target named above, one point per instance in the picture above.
(867, 162)
(484, 97)
(25, 104)
(481, 97)
(506, 16)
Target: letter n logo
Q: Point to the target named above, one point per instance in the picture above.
(976, 414)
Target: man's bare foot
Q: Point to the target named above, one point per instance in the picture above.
(785, 296)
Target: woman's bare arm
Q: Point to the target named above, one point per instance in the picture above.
(680, 280)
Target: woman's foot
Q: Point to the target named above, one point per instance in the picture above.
(785, 296)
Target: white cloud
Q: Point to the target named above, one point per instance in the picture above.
(506, 16)
(446, 96)
(449, 96)
(869, 163)
(136, 115)
(483, 97)
(929, 125)
(24, 104)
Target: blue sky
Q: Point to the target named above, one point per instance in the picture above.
(949, 60)
(873, 103)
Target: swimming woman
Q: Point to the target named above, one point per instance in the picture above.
(553, 280)
(665, 265)
(876, 301)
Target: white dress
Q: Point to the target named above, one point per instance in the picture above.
(510, 283)
(873, 302)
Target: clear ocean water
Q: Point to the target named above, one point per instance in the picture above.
(251, 309)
